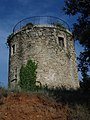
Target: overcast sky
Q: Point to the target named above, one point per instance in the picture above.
(12, 11)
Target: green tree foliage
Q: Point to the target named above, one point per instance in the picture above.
(28, 76)
(85, 85)
(81, 31)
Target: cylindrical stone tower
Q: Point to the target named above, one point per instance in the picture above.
(48, 43)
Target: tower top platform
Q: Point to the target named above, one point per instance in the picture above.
(43, 21)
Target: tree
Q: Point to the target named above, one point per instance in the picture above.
(28, 76)
(81, 32)
(85, 85)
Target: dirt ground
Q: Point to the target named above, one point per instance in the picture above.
(21, 106)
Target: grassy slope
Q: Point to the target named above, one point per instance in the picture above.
(46, 104)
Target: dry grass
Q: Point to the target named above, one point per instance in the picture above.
(69, 104)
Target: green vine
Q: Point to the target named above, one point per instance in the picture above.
(28, 76)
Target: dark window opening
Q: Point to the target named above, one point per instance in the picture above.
(61, 41)
(13, 49)
(14, 80)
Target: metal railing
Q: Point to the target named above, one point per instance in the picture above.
(40, 20)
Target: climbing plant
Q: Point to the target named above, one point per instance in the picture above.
(28, 76)
(60, 26)
(27, 26)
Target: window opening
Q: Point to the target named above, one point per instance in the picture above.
(61, 41)
(13, 49)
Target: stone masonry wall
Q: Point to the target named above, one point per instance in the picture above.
(56, 65)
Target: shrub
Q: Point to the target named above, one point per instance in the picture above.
(28, 76)
(28, 26)
(3, 93)
(80, 112)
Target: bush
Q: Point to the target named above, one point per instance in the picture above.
(80, 112)
(3, 94)
(28, 76)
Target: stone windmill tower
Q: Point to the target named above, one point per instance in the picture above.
(48, 41)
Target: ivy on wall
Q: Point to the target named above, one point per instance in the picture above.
(28, 76)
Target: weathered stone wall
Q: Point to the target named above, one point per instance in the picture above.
(56, 65)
